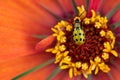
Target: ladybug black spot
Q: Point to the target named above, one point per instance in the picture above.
(79, 33)
(76, 39)
(75, 34)
(83, 39)
(80, 39)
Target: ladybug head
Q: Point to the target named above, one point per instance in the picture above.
(76, 20)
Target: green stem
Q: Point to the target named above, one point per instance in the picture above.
(109, 15)
(50, 12)
(89, 77)
(34, 69)
(74, 7)
(40, 36)
(110, 76)
(54, 73)
(87, 4)
(115, 25)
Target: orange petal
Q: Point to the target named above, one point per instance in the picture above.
(67, 6)
(117, 60)
(95, 77)
(94, 4)
(117, 30)
(50, 5)
(12, 68)
(115, 73)
(15, 43)
(45, 43)
(63, 75)
(25, 16)
(19, 20)
(116, 17)
(109, 5)
(104, 76)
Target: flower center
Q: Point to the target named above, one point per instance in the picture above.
(84, 45)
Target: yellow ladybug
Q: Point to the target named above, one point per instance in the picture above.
(78, 33)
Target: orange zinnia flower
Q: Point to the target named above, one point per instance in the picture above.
(85, 42)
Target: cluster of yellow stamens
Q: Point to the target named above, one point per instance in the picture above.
(97, 20)
(101, 22)
(60, 48)
(62, 53)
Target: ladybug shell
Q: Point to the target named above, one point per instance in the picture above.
(78, 34)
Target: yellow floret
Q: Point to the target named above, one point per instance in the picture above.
(62, 48)
(63, 39)
(105, 56)
(104, 67)
(82, 12)
(69, 28)
(97, 59)
(78, 64)
(97, 25)
(108, 48)
(102, 33)
(87, 21)
(84, 66)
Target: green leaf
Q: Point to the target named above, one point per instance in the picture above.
(87, 4)
(40, 36)
(110, 76)
(74, 7)
(109, 15)
(89, 77)
(34, 69)
(54, 73)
